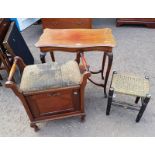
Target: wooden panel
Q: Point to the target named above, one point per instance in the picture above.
(66, 23)
(138, 19)
(148, 22)
(54, 103)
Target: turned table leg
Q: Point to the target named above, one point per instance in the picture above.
(78, 56)
(52, 56)
(103, 65)
(110, 60)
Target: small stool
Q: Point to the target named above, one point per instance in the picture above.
(129, 85)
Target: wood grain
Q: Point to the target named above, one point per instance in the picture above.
(76, 38)
(66, 23)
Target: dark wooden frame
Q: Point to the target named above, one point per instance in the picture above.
(148, 22)
(24, 97)
(5, 62)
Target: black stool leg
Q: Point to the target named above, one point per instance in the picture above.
(111, 92)
(143, 107)
(137, 99)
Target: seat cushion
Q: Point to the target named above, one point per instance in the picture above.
(130, 85)
(50, 75)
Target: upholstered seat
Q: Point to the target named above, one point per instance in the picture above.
(50, 75)
(130, 85)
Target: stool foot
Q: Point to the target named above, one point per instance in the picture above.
(83, 118)
(111, 92)
(137, 99)
(139, 116)
(143, 107)
(33, 125)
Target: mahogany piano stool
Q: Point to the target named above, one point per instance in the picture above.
(49, 91)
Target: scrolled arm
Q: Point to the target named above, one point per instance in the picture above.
(84, 78)
(17, 61)
(10, 82)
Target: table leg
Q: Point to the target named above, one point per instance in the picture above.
(42, 57)
(78, 57)
(52, 56)
(110, 59)
(1, 77)
(103, 64)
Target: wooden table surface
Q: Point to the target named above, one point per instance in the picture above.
(76, 38)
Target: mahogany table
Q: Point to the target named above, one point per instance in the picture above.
(79, 41)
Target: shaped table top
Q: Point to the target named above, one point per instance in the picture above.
(76, 38)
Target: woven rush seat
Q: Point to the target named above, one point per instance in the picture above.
(50, 75)
(130, 85)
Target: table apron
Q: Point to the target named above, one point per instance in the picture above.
(75, 50)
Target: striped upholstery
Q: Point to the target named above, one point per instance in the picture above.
(50, 75)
